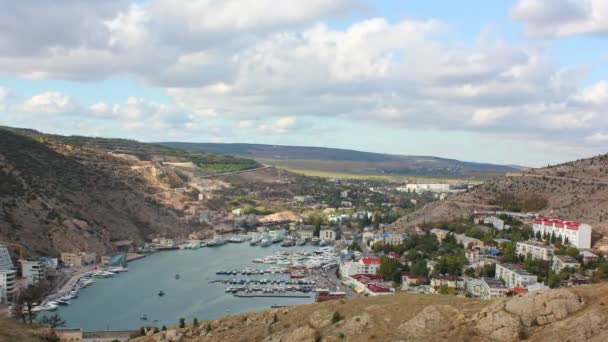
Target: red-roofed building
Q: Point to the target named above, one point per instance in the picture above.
(370, 261)
(574, 233)
(377, 288)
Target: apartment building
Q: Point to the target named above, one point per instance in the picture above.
(5, 258)
(568, 232)
(363, 266)
(33, 271)
(514, 275)
(534, 249)
(7, 283)
(562, 261)
(78, 259)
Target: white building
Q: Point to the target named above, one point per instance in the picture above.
(393, 239)
(33, 271)
(485, 288)
(513, 275)
(5, 259)
(535, 249)
(7, 283)
(329, 234)
(363, 266)
(420, 188)
(562, 261)
(574, 233)
(495, 222)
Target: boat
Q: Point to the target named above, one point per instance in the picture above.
(322, 243)
(143, 317)
(265, 242)
(177, 276)
(300, 242)
(288, 243)
(161, 293)
(236, 239)
(117, 269)
(217, 241)
(103, 274)
(277, 239)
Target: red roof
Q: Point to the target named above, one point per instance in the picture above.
(558, 223)
(519, 289)
(377, 288)
(369, 261)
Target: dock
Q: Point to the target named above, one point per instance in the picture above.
(270, 296)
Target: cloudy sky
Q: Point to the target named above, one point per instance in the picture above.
(505, 81)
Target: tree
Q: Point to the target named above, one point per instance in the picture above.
(34, 293)
(420, 268)
(17, 311)
(53, 321)
(470, 272)
(195, 322)
(182, 322)
(388, 268)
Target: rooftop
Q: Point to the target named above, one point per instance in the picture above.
(567, 259)
(558, 223)
(516, 269)
(369, 261)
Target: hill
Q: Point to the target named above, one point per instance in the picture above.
(557, 315)
(351, 162)
(75, 193)
(576, 190)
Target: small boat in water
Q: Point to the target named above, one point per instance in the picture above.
(143, 317)
(177, 276)
(300, 242)
(161, 293)
(265, 242)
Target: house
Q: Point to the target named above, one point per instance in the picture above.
(478, 219)
(33, 271)
(495, 222)
(588, 257)
(124, 246)
(534, 249)
(305, 232)
(344, 194)
(78, 259)
(363, 266)
(393, 239)
(453, 282)
(408, 279)
(7, 283)
(5, 259)
(441, 234)
(562, 261)
(467, 242)
(513, 275)
(474, 255)
(348, 237)
(568, 232)
(329, 234)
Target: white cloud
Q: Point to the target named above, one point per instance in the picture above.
(596, 94)
(99, 108)
(598, 138)
(4, 92)
(246, 124)
(51, 102)
(561, 18)
(281, 125)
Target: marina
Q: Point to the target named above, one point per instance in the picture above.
(168, 285)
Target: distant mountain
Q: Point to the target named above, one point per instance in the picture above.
(341, 160)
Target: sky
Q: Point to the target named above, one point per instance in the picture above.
(514, 82)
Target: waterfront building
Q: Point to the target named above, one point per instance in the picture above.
(363, 266)
(7, 283)
(78, 259)
(33, 271)
(534, 249)
(5, 258)
(329, 234)
(305, 233)
(514, 275)
(562, 261)
(568, 232)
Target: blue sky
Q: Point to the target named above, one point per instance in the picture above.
(515, 82)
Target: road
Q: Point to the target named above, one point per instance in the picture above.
(235, 172)
(329, 280)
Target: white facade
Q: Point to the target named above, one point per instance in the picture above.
(577, 234)
(7, 283)
(420, 188)
(5, 259)
(535, 249)
(328, 235)
(33, 271)
(495, 222)
(513, 275)
(485, 288)
(363, 266)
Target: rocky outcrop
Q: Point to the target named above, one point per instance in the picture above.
(435, 322)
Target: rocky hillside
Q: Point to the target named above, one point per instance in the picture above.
(576, 190)
(73, 193)
(573, 314)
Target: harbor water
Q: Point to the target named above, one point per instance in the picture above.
(117, 303)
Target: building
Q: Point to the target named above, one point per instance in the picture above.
(5, 258)
(588, 257)
(485, 288)
(7, 283)
(78, 259)
(573, 233)
(467, 242)
(420, 188)
(363, 266)
(408, 279)
(562, 261)
(394, 239)
(329, 234)
(441, 234)
(495, 222)
(534, 249)
(453, 282)
(305, 233)
(33, 271)
(514, 275)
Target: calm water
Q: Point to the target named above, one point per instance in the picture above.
(117, 303)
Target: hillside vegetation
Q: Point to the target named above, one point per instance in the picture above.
(576, 190)
(573, 314)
